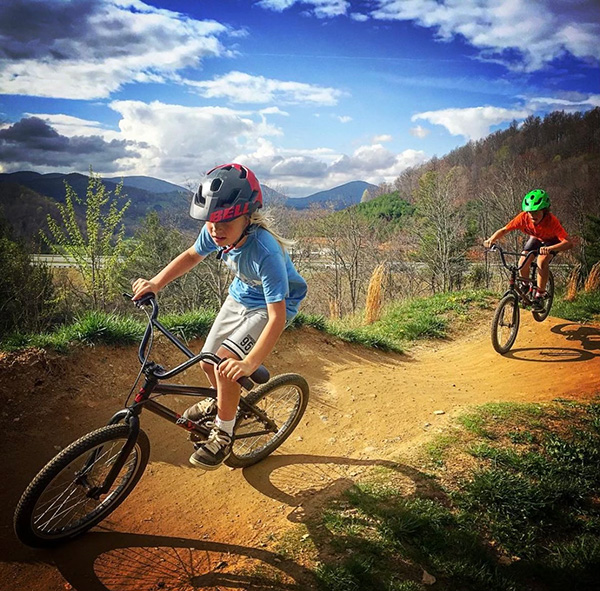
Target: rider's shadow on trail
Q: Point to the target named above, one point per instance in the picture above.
(588, 336)
(114, 561)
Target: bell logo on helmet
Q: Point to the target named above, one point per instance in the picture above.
(230, 213)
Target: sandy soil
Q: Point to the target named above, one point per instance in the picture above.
(184, 529)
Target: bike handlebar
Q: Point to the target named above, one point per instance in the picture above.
(260, 375)
(502, 252)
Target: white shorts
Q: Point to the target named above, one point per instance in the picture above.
(236, 328)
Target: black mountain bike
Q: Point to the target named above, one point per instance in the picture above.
(90, 478)
(520, 293)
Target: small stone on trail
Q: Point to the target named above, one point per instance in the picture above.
(428, 579)
(439, 412)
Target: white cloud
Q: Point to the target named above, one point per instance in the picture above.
(540, 31)
(380, 139)
(419, 131)
(472, 123)
(89, 50)
(359, 17)
(185, 141)
(572, 102)
(318, 8)
(344, 118)
(302, 172)
(239, 87)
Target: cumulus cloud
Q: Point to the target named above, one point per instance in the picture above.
(302, 172)
(87, 49)
(472, 123)
(380, 139)
(179, 143)
(539, 31)
(419, 131)
(188, 140)
(239, 87)
(33, 142)
(344, 118)
(318, 8)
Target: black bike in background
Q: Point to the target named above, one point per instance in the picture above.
(520, 294)
(90, 478)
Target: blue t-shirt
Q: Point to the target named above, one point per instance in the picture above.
(264, 272)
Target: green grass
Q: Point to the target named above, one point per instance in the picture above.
(585, 307)
(401, 323)
(405, 322)
(523, 515)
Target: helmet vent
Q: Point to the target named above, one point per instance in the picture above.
(198, 198)
(233, 196)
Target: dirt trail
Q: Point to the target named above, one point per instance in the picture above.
(185, 529)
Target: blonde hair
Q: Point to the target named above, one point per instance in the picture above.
(265, 222)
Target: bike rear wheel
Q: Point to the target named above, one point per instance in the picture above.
(505, 324)
(56, 505)
(283, 400)
(541, 315)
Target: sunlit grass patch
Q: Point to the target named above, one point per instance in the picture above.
(524, 509)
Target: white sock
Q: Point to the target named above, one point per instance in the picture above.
(226, 426)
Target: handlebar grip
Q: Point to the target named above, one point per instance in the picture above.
(261, 375)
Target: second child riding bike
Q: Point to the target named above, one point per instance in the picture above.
(520, 294)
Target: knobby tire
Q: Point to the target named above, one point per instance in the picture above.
(507, 316)
(283, 399)
(55, 507)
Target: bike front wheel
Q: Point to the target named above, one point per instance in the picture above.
(60, 503)
(505, 324)
(282, 401)
(541, 315)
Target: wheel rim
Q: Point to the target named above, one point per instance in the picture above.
(64, 505)
(280, 405)
(507, 324)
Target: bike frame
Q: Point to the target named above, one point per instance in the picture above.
(154, 374)
(513, 282)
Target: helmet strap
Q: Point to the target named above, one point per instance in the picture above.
(225, 250)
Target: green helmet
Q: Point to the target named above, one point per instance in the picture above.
(536, 200)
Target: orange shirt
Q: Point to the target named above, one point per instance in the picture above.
(549, 228)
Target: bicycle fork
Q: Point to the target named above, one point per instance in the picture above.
(117, 465)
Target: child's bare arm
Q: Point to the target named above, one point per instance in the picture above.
(180, 265)
(565, 244)
(497, 235)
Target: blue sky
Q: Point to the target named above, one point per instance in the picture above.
(309, 94)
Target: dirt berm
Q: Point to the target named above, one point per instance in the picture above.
(183, 529)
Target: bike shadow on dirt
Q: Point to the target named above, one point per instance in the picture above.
(308, 484)
(588, 336)
(550, 354)
(294, 479)
(115, 561)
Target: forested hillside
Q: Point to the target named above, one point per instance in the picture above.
(488, 178)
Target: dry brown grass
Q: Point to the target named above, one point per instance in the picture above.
(592, 283)
(374, 295)
(572, 282)
(334, 309)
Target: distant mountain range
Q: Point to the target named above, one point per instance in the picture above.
(27, 197)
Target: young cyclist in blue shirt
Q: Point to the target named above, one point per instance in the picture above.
(263, 297)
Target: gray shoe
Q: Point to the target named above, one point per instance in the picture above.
(205, 409)
(214, 452)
